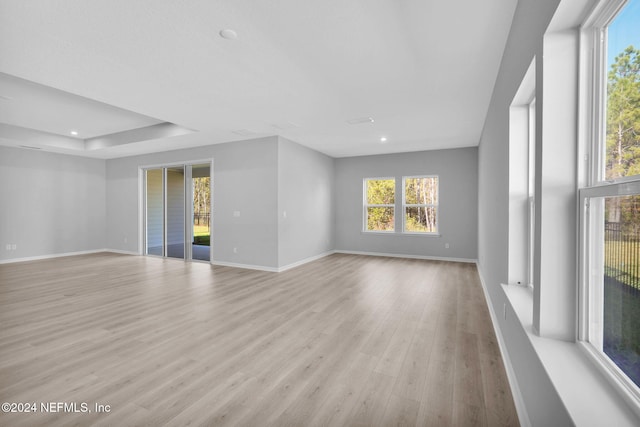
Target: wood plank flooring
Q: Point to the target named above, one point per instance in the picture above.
(345, 340)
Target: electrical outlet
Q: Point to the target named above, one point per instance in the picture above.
(236, 214)
(8, 247)
(235, 250)
(14, 247)
(446, 246)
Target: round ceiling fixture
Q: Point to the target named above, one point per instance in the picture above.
(228, 34)
(383, 139)
(74, 132)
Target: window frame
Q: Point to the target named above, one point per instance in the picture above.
(366, 205)
(594, 185)
(531, 189)
(406, 205)
(591, 273)
(594, 78)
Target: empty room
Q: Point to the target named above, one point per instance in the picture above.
(320, 213)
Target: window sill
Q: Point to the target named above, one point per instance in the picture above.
(393, 233)
(382, 233)
(585, 392)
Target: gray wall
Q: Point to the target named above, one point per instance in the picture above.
(305, 193)
(525, 41)
(262, 179)
(244, 179)
(50, 203)
(457, 170)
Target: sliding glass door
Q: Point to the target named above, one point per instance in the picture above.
(175, 207)
(201, 208)
(177, 211)
(154, 211)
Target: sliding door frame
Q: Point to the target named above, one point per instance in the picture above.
(188, 206)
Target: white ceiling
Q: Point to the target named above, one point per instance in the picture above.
(423, 69)
(30, 105)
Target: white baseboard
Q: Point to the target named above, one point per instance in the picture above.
(518, 401)
(272, 269)
(305, 261)
(49, 256)
(432, 258)
(119, 251)
(249, 266)
(245, 266)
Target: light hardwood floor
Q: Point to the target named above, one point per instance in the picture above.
(345, 340)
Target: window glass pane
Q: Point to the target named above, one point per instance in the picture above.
(420, 219)
(201, 192)
(623, 94)
(621, 282)
(155, 212)
(380, 219)
(421, 191)
(381, 191)
(175, 212)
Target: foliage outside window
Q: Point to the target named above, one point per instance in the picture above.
(201, 211)
(420, 204)
(611, 270)
(379, 204)
(623, 115)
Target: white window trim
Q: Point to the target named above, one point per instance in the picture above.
(366, 205)
(428, 205)
(522, 147)
(593, 85)
(593, 77)
(590, 319)
(531, 174)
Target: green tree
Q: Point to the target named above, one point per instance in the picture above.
(380, 192)
(201, 196)
(421, 191)
(623, 122)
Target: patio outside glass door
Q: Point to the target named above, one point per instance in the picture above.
(201, 208)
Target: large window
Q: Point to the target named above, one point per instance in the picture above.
(522, 144)
(610, 214)
(420, 204)
(531, 188)
(379, 204)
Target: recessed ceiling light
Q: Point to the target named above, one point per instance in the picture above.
(74, 132)
(360, 120)
(383, 139)
(228, 34)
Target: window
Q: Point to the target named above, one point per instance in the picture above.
(531, 189)
(522, 144)
(420, 204)
(610, 200)
(379, 204)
